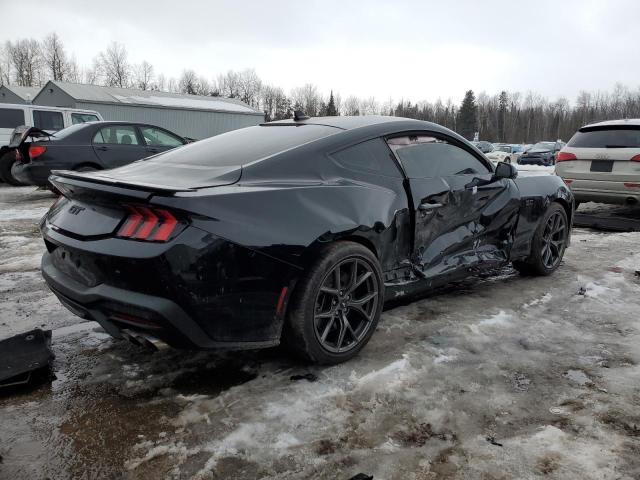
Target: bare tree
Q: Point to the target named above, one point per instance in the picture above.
(189, 82)
(113, 66)
(249, 85)
(307, 98)
(351, 106)
(228, 84)
(143, 76)
(5, 64)
(25, 57)
(54, 57)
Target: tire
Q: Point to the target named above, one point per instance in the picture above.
(6, 162)
(549, 237)
(315, 326)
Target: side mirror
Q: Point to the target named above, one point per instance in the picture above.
(505, 170)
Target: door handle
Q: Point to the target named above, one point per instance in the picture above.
(104, 149)
(430, 206)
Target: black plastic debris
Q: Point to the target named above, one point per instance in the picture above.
(582, 291)
(307, 376)
(362, 476)
(492, 441)
(25, 359)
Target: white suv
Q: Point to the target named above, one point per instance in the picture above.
(49, 119)
(601, 162)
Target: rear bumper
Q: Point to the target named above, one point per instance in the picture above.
(33, 173)
(116, 309)
(604, 191)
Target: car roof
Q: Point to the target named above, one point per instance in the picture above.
(615, 123)
(343, 122)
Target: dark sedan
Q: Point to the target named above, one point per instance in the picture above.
(542, 153)
(296, 231)
(88, 146)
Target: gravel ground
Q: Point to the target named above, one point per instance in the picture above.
(495, 378)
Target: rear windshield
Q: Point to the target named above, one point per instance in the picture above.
(11, 118)
(616, 137)
(245, 145)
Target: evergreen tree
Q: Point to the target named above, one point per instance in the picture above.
(468, 116)
(502, 115)
(331, 106)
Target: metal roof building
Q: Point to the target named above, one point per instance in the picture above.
(191, 116)
(17, 94)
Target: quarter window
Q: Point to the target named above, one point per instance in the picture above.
(159, 138)
(119, 135)
(47, 120)
(11, 118)
(438, 159)
(372, 156)
(83, 118)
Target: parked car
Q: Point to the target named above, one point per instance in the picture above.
(49, 119)
(517, 151)
(542, 153)
(88, 146)
(601, 162)
(502, 153)
(293, 231)
(484, 147)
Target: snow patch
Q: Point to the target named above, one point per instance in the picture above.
(578, 376)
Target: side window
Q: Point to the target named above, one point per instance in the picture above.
(117, 134)
(372, 156)
(438, 159)
(160, 138)
(11, 118)
(47, 120)
(83, 118)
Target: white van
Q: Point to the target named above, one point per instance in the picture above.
(49, 119)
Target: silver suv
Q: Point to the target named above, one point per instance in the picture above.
(601, 162)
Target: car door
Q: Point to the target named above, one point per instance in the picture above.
(464, 218)
(158, 139)
(117, 145)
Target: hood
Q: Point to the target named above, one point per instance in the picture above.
(538, 151)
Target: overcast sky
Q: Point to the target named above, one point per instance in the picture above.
(411, 49)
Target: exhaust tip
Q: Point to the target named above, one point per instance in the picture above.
(144, 340)
(631, 201)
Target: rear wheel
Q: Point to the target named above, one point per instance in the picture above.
(6, 162)
(548, 245)
(336, 305)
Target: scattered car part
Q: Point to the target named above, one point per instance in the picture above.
(25, 358)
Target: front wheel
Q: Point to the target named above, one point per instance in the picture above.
(336, 305)
(548, 245)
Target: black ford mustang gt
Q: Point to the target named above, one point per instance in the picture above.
(293, 230)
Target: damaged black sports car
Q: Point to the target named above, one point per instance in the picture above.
(295, 231)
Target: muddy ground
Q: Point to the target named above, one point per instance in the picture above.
(496, 378)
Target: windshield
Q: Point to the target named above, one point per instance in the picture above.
(620, 137)
(544, 146)
(503, 148)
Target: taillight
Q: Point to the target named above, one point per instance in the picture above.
(636, 158)
(565, 157)
(36, 150)
(149, 224)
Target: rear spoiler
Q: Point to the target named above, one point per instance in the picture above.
(76, 185)
(20, 134)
